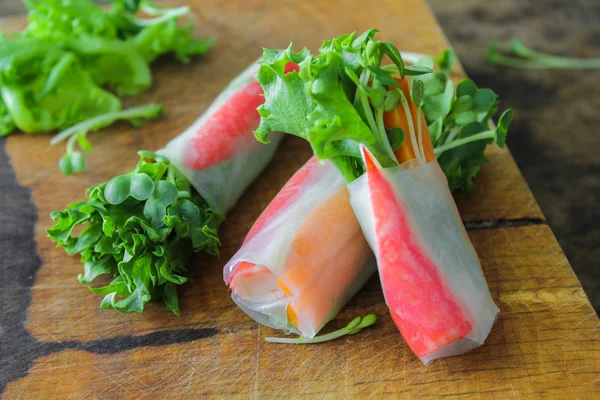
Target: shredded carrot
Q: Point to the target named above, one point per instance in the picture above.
(285, 289)
(397, 119)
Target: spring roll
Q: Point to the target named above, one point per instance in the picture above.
(305, 256)
(430, 273)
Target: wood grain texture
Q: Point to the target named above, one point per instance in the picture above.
(60, 303)
(546, 342)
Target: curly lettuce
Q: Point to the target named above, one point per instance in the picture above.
(44, 88)
(336, 100)
(114, 46)
(142, 228)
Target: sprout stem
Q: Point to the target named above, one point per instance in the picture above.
(411, 127)
(355, 326)
(100, 121)
(383, 139)
(491, 134)
(420, 130)
(162, 15)
(449, 139)
(523, 57)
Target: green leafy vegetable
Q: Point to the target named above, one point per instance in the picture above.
(339, 98)
(44, 88)
(88, 31)
(167, 37)
(355, 326)
(53, 73)
(142, 228)
(445, 60)
(517, 55)
(7, 125)
(76, 134)
(123, 13)
(114, 46)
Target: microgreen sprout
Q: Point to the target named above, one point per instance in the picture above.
(72, 161)
(517, 55)
(355, 326)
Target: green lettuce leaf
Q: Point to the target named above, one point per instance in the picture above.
(7, 124)
(167, 37)
(314, 105)
(44, 88)
(114, 46)
(141, 228)
(336, 100)
(85, 29)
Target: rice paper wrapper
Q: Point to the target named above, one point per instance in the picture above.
(218, 153)
(430, 273)
(304, 258)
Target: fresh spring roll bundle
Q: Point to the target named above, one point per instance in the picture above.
(305, 256)
(429, 271)
(403, 138)
(142, 227)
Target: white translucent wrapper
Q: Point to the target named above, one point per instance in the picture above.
(446, 310)
(304, 258)
(241, 158)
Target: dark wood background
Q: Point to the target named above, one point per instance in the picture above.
(555, 138)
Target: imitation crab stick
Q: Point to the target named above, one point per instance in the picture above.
(218, 152)
(430, 273)
(225, 132)
(304, 258)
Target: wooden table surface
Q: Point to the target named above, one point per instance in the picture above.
(56, 343)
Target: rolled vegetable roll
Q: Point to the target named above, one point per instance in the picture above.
(142, 227)
(218, 152)
(402, 138)
(305, 256)
(430, 273)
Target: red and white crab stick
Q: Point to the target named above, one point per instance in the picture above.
(430, 273)
(218, 152)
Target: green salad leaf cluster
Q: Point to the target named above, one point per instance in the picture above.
(141, 228)
(114, 46)
(336, 100)
(75, 57)
(44, 88)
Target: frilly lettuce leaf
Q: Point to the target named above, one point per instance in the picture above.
(313, 104)
(167, 37)
(142, 228)
(115, 46)
(44, 88)
(7, 125)
(336, 100)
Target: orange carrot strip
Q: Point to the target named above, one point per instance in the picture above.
(397, 119)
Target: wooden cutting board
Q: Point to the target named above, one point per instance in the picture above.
(57, 343)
